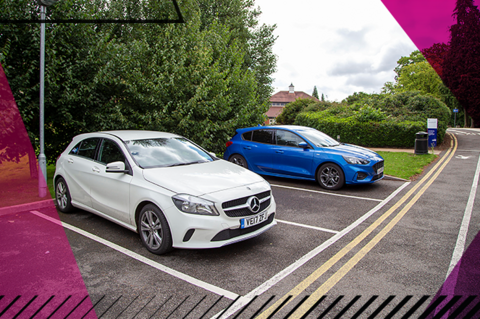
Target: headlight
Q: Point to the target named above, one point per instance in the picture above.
(355, 160)
(194, 205)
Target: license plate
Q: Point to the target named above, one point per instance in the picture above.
(380, 170)
(252, 221)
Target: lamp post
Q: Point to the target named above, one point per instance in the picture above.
(42, 159)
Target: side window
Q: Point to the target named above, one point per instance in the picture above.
(285, 138)
(247, 136)
(110, 152)
(86, 148)
(263, 136)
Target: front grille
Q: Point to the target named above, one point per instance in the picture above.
(377, 166)
(377, 177)
(239, 207)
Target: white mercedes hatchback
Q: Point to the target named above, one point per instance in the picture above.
(165, 187)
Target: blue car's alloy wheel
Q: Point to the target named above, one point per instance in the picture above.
(330, 176)
(239, 160)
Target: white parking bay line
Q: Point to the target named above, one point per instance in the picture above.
(149, 262)
(462, 234)
(305, 258)
(307, 226)
(326, 193)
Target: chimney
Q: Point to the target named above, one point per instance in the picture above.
(291, 88)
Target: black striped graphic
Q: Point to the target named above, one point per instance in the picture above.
(198, 307)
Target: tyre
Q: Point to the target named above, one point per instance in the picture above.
(154, 231)
(239, 160)
(330, 176)
(63, 200)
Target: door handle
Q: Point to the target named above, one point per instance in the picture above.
(247, 147)
(279, 152)
(96, 169)
(70, 160)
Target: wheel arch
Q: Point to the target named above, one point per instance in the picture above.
(139, 208)
(327, 162)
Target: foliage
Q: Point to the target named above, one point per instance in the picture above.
(461, 67)
(414, 73)
(291, 110)
(200, 79)
(378, 119)
(315, 93)
(435, 55)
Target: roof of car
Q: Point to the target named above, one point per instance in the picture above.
(287, 127)
(127, 135)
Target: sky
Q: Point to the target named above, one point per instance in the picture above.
(341, 47)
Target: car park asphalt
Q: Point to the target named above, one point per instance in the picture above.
(358, 246)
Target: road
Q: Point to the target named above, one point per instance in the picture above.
(366, 250)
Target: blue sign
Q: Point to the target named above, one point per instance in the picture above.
(432, 137)
(455, 110)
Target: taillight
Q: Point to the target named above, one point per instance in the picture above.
(228, 143)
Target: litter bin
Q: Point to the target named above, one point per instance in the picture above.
(421, 143)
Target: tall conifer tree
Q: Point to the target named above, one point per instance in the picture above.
(461, 70)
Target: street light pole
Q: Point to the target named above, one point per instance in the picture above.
(42, 159)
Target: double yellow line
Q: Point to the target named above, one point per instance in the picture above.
(337, 276)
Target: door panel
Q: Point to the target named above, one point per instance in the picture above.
(110, 192)
(289, 158)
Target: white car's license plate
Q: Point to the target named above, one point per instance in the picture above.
(380, 170)
(252, 221)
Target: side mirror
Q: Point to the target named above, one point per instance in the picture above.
(116, 167)
(212, 154)
(303, 145)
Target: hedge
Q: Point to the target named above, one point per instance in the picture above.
(378, 120)
(386, 133)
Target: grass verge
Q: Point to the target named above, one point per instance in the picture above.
(405, 165)
(50, 173)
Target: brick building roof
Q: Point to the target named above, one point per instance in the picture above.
(274, 111)
(285, 97)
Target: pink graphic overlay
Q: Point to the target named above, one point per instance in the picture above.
(426, 22)
(35, 255)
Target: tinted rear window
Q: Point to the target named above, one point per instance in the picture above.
(263, 136)
(247, 136)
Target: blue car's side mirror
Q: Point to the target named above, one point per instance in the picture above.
(303, 144)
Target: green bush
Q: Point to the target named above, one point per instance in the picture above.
(291, 110)
(378, 120)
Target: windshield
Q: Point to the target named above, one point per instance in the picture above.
(165, 152)
(319, 139)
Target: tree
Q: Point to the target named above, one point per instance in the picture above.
(201, 79)
(435, 55)
(415, 56)
(315, 93)
(323, 98)
(415, 73)
(461, 67)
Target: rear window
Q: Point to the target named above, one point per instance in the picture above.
(247, 136)
(86, 148)
(263, 136)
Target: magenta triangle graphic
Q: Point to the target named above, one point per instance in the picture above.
(426, 22)
(38, 266)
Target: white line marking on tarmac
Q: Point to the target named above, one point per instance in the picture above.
(300, 262)
(325, 193)
(462, 235)
(149, 262)
(307, 226)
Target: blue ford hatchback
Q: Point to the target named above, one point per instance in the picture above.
(303, 153)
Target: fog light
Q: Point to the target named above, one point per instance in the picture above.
(361, 176)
